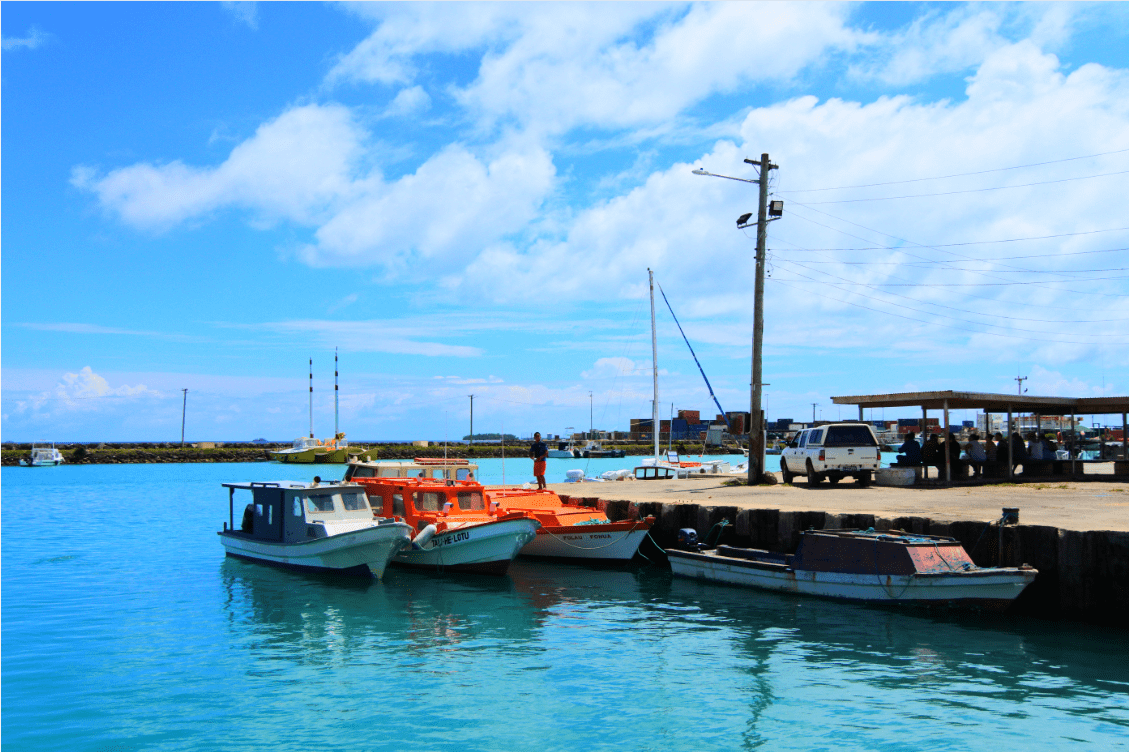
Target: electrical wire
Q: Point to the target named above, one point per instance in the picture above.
(958, 174)
(968, 190)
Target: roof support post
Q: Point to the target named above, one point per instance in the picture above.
(921, 435)
(1010, 447)
(1074, 441)
(1124, 436)
(948, 449)
(860, 414)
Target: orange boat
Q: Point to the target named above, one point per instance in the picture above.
(454, 529)
(571, 531)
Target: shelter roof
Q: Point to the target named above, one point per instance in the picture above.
(993, 403)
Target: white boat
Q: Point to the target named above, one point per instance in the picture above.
(317, 527)
(892, 567)
(420, 467)
(686, 469)
(44, 455)
(564, 451)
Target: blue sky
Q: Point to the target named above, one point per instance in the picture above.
(465, 198)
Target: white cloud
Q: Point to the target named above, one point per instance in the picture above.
(296, 167)
(244, 12)
(35, 38)
(370, 336)
(409, 101)
(85, 391)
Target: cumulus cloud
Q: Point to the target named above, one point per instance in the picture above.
(409, 102)
(35, 38)
(246, 13)
(85, 390)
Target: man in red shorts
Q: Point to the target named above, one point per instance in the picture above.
(539, 452)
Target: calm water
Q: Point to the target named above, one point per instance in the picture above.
(125, 628)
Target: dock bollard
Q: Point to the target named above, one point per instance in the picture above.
(1011, 516)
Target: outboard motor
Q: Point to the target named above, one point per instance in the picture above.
(688, 539)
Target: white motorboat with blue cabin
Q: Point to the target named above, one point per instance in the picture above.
(44, 455)
(312, 526)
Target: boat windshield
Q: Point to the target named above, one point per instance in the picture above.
(320, 503)
(471, 500)
(428, 501)
(354, 501)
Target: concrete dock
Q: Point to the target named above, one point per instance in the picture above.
(1076, 533)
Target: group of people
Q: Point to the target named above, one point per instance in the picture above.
(992, 451)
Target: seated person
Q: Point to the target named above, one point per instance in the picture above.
(909, 453)
(1034, 447)
(1019, 451)
(976, 455)
(933, 454)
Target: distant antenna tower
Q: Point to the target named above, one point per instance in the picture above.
(311, 398)
(1020, 380)
(335, 429)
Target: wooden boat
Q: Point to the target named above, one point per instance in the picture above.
(43, 455)
(455, 529)
(321, 527)
(893, 567)
(420, 467)
(571, 531)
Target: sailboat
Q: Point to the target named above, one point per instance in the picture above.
(308, 450)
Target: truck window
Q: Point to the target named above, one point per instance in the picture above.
(841, 436)
(804, 439)
(815, 438)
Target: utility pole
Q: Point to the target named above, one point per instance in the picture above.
(1020, 380)
(813, 406)
(183, 410)
(335, 428)
(471, 419)
(591, 424)
(756, 416)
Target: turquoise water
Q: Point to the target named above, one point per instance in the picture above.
(125, 628)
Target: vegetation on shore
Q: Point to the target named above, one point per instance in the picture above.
(127, 453)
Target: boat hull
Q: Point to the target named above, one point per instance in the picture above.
(989, 589)
(485, 548)
(612, 542)
(305, 457)
(366, 550)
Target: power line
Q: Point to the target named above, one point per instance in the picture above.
(957, 175)
(968, 190)
(981, 242)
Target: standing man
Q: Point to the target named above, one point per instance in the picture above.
(539, 452)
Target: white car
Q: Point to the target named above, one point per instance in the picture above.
(832, 451)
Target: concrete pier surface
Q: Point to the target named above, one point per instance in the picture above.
(1076, 533)
(1061, 503)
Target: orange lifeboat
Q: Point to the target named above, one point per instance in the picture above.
(572, 531)
(454, 528)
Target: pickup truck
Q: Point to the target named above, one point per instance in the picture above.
(833, 451)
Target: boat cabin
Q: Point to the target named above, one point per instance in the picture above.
(423, 501)
(420, 467)
(291, 512)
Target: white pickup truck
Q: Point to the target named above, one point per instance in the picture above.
(832, 451)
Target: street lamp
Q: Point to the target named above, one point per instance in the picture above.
(764, 211)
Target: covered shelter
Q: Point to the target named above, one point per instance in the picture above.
(996, 404)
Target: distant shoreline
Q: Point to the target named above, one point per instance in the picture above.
(147, 453)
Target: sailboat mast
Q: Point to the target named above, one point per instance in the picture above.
(335, 429)
(311, 398)
(655, 363)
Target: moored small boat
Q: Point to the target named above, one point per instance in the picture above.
(455, 530)
(571, 531)
(892, 567)
(319, 527)
(421, 467)
(43, 455)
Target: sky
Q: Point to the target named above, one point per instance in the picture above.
(465, 198)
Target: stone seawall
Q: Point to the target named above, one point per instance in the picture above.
(1083, 576)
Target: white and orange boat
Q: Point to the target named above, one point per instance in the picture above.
(571, 531)
(455, 530)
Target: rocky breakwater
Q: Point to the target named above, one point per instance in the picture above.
(115, 454)
(1083, 575)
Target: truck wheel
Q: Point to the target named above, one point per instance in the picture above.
(814, 478)
(786, 473)
(864, 479)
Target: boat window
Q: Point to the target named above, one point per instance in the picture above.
(354, 501)
(361, 472)
(428, 501)
(398, 505)
(815, 438)
(462, 473)
(471, 500)
(319, 503)
(297, 507)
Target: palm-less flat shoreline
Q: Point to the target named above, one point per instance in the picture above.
(1063, 503)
